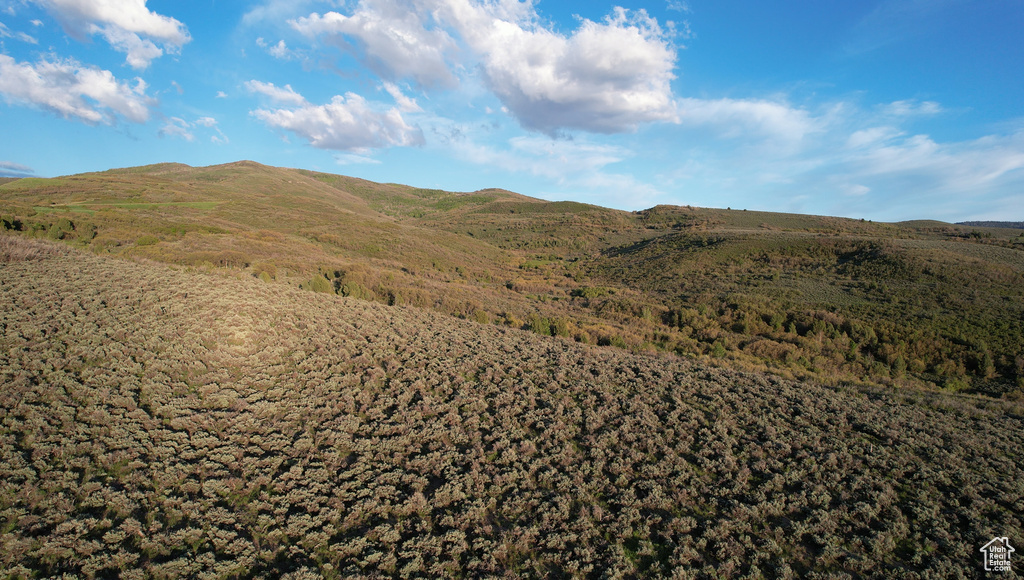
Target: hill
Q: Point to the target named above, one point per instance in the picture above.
(921, 304)
(1013, 225)
(166, 421)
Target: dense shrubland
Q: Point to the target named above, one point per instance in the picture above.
(162, 423)
(893, 311)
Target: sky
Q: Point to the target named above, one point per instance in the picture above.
(880, 109)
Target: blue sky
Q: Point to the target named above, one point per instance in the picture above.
(884, 109)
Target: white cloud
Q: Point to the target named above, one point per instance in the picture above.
(176, 127)
(221, 95)
(394, 38)
(352, 159)
(6, 33)
(280, 50)
(348, 123)
(123, 23)
(405, 104)
(872, 136)
(578, 168)
(140, 52)
(273, 11)
(840, 159)
(73, 90)
(962, 167)
(285, 95)
(209, 122)
(910, 108)
(743, 118)
(607, 77)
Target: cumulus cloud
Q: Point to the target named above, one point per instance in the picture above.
(348, 123)
(127, 25)
(73, 90)
(605, 77)
(279, 50)
(394, 37)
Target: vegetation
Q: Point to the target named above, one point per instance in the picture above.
(920, 304)
(177, 421)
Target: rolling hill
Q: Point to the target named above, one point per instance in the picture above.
(166, 421)
(922, 304)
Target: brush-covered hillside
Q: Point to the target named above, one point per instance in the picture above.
(840, 301)
(168, 422)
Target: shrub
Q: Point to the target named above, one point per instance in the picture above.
(354, 290)
(320, 283)
(956, 384)
(539, 324)
(718, 349)
(590, 292)
(561, 326)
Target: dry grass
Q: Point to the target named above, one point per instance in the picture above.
(17, 249)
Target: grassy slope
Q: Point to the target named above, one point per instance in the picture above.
(181, 423)
(837, 300)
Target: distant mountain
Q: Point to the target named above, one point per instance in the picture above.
(1013, 225)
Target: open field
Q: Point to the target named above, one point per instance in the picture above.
(160, 422)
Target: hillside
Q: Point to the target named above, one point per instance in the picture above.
(920, 304)
(177, 422)
(991, 224)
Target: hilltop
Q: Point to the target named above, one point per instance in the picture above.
(167, 421)
(840, 301)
